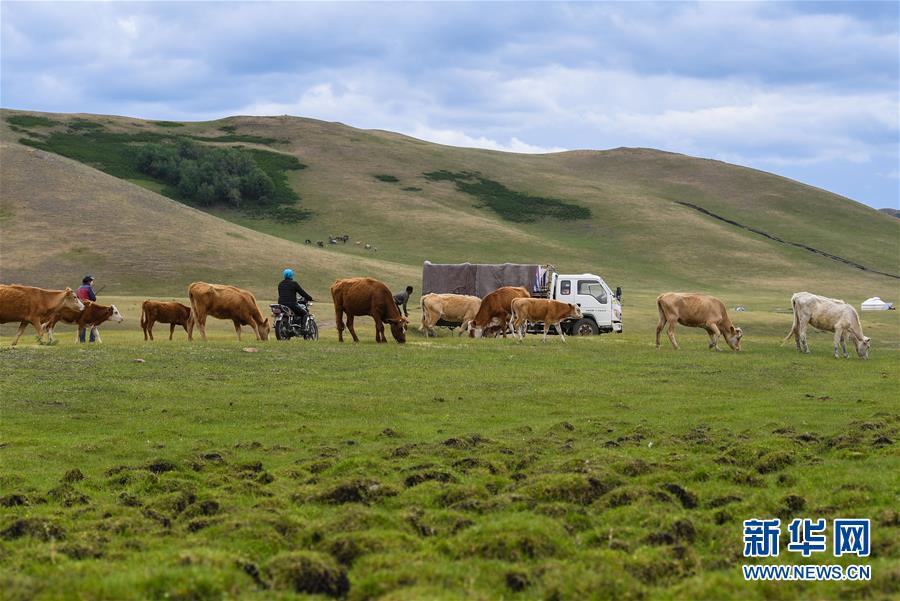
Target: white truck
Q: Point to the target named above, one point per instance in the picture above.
(601, 308)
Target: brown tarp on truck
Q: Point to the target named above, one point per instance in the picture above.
(475, 279)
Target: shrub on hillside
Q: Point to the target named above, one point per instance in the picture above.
(208, 176)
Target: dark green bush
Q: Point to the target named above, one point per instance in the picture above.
(509, 204)
(387, 178)
(31, 121)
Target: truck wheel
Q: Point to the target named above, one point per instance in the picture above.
(585, 327)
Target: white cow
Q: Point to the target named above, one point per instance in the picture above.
(828, 315)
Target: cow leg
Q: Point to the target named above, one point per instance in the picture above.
(147, 326)
(518, 329)
(713, 331)
(379, 330)
(838, 334)
(237, 328)
(21, 329)
(95, 334)
(844, 345)
(671, 333)
(171, 331)
(546, 329)
(559, 330)
(351, 329)
(801, 338)
(659, 327)
(339, 322)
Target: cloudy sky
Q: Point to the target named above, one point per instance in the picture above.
(806, 90)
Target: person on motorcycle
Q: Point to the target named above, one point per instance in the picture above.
(288, 290)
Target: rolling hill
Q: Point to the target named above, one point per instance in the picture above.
(645, 219)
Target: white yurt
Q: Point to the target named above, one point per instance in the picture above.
(876, 304)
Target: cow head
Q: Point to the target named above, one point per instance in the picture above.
(733, 337)
(575, 311)
(398, 328)
(114, 314)
(70, 301)
(862, 346)
(264, 329)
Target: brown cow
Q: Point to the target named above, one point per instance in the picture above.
(28, 305)
(697, 311)
(542, 310)
(452, 308)
(495, 310)
(172, 313)
(367, 296)
(90, 317)
(225, 302)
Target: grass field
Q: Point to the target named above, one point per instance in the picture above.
(443, 468)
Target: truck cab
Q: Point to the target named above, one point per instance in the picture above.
(601, 308)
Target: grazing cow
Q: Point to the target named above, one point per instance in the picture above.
(697, 311)
(828, 315)
(307, 241)
(225, 302)
(452, 308)
(367, 296)
(320, 244)
(548, 312)
(172, 313)
(495, 310)
(29, 305)
(91, 316)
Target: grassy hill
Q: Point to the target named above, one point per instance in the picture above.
(645, 219)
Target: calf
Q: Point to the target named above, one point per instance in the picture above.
(30, 305)
(91, 317)
(828, 315)
(548, 312)
(696, 311)
(172, 313)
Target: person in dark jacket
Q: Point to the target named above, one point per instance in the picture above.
(402, 300)
(86, 292)
(288, 290)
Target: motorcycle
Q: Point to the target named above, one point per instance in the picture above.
(287, 325)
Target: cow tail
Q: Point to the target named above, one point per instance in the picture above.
(794, 324)
(422, 307)
(144, 315)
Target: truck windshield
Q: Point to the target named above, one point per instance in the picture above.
(593, 288)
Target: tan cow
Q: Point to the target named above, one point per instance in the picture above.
(29, 305)
(225, 302)
(90, 317)
(172, 313)
(696, 311)
(495, 310)
(367, 296)
(452, 308)
(541, 310)
(828, 315)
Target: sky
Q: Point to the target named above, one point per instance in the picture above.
(806, 90)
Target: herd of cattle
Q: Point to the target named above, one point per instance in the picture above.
(507, 309)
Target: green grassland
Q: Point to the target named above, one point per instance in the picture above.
(443, 468)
